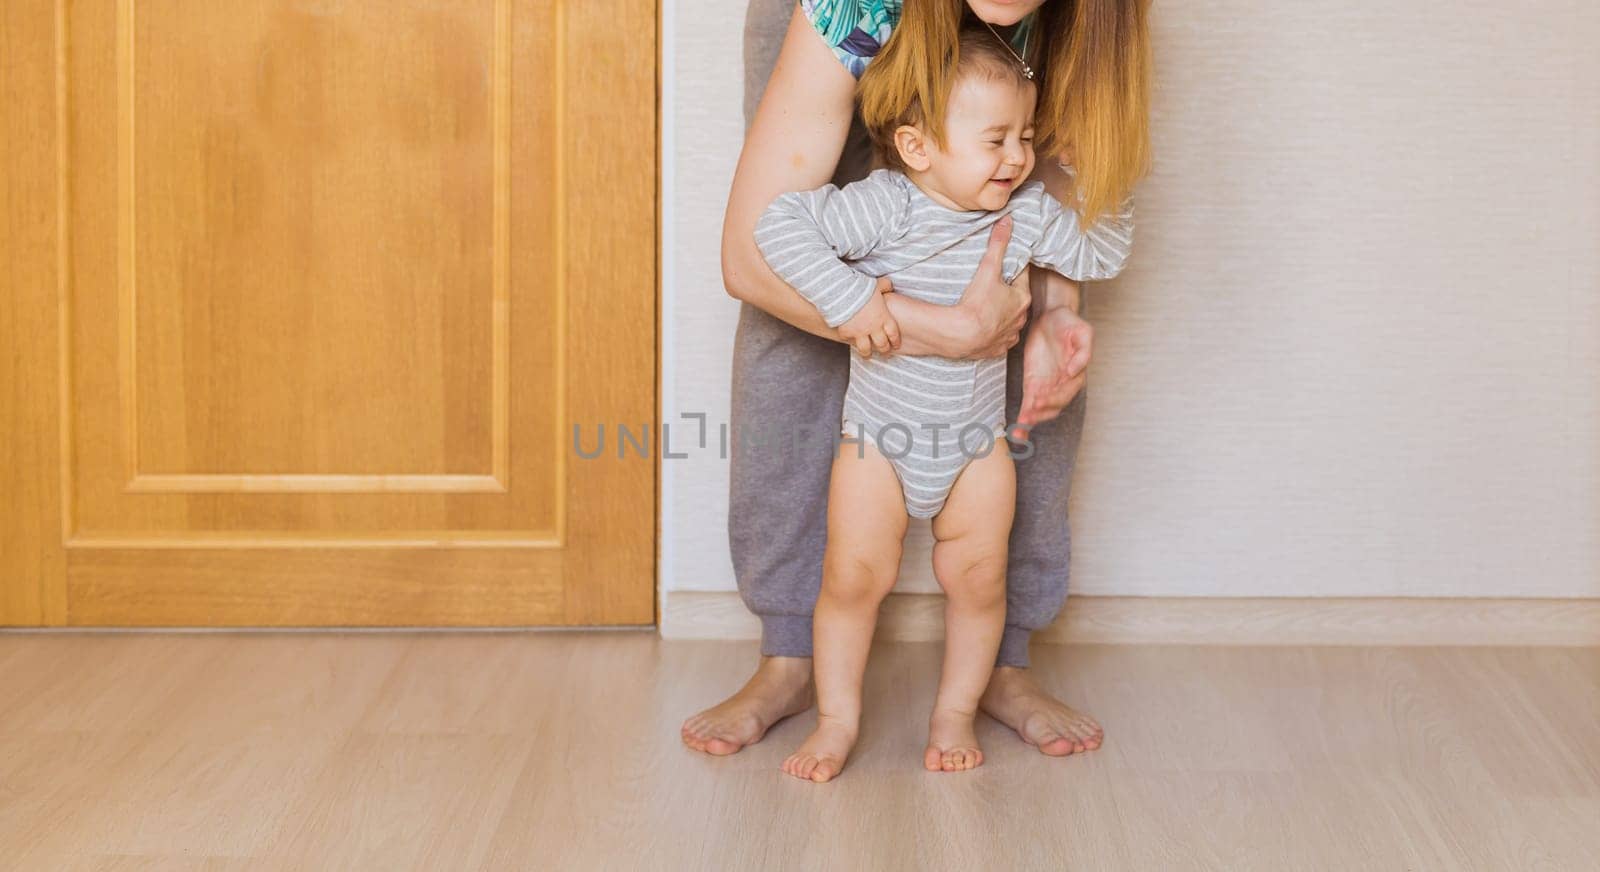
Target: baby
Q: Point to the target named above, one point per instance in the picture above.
(929, 431)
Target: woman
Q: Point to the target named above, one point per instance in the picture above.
(790, 369)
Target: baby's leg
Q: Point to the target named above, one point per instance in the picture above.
(866, 530)
(969, 559)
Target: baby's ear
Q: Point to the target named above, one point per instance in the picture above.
(912, 147)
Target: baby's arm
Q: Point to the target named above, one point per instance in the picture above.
(1098, 253)
(804, 235)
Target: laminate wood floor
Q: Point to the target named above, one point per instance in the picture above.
(560, 751)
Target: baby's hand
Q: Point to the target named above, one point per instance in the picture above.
(873, 328)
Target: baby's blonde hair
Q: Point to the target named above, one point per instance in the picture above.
(979, 53)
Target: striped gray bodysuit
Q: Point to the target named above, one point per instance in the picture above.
(929, 415)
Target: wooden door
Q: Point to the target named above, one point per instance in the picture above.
(304, 300)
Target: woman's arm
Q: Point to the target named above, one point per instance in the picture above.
(794, 144)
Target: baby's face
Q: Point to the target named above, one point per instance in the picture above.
(989, 143)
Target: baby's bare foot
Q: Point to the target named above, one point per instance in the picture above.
(823, 753)
(781, 687)
(952, 742)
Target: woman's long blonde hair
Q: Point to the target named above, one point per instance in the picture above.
(1094, 79)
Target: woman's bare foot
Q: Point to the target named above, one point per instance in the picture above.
(1016, 700)
(822, 754)
(780, 687)
(952, 743)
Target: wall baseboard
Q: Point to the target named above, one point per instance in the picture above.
(1209, 620)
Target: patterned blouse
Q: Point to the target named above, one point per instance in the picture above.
(857, 29)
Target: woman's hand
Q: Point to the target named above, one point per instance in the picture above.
(995, 311)
(1055, 363)
(985, 323)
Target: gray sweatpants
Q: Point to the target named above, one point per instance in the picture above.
(788, 396)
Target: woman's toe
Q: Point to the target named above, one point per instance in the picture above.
(1086, 736)
(1058, 747)
(1053, 743)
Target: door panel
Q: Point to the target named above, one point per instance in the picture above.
(333, 283)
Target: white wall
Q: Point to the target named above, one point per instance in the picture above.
(1357, 350)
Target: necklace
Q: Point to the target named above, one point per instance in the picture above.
(1026, 70)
